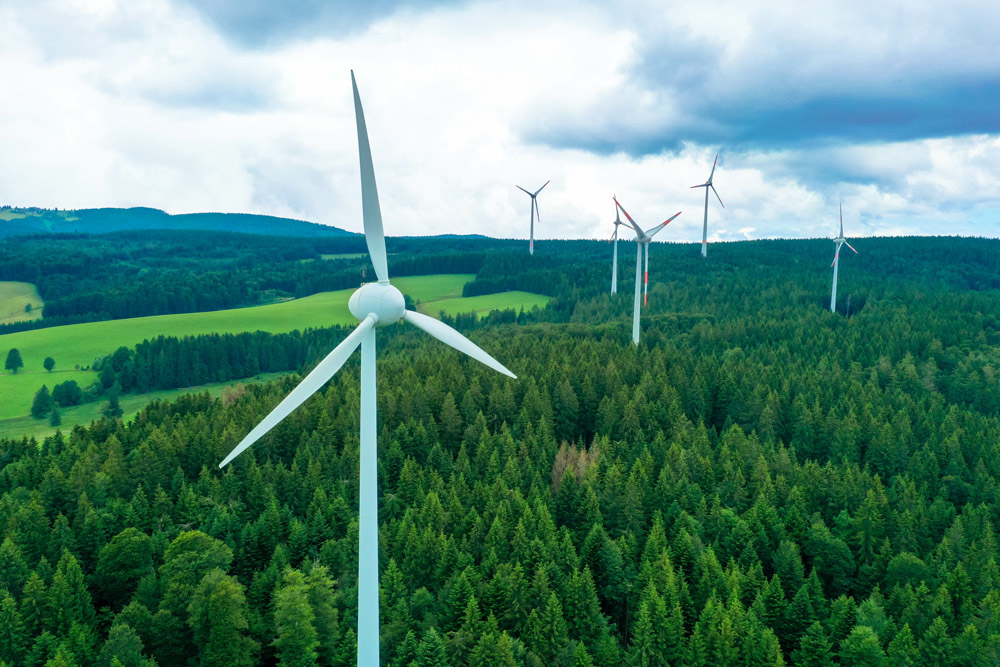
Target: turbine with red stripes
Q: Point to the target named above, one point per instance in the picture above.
(708, 184)
(534, 214)
(840, 240)
(642, 241)
(376, 305)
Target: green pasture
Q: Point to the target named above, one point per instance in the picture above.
(18, 390)
(28, 426)
(80, 344)
(482, 305)
(433, 288)
(14, 297)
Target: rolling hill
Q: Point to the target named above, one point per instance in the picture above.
(23, 221)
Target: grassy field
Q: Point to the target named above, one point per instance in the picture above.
(13, 298)
(482, 305)
(27, 426)
(433, 288)
(81, 344)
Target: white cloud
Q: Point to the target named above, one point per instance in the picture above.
(142, 103)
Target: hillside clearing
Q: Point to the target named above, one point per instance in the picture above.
(14, 296)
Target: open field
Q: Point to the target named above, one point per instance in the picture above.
(433, 288)
(483, 304)
(81, 344)
(18, 390)
(13, 298)
(28, 426)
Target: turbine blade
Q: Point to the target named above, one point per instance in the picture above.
(371, 213)
(654, 230)
(717, 195)
(325, 370)
(523, 190)
(542, 188)
(449, 336)
(835, 259)
(703, 185)
(851, 247)
(628, 217)
(538, 215)
(713, 168)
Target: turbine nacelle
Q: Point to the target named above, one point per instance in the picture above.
(380, 299)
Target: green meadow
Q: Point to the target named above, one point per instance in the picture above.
(14, 297)
(482, 305)
(80, 344)
(27, 426)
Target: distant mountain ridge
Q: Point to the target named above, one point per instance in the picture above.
(23, 221)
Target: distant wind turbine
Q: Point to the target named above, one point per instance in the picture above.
(642, 241)
(534, 213)
(376, 305)
(614, 260)
(708, 184)
(840, 240)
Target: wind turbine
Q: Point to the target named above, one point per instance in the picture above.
(534, 213)
(642, 241)
(376, 305)
(614, 260)
(840, 240)
(708, 184)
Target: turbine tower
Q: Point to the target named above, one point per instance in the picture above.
(708, 184)
(534, 214)
(642, 241)
(376, 305)
(840, 240)
(614, 258)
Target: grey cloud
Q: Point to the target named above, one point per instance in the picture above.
(264, 23)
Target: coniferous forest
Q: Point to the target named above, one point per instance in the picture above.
(759, 482)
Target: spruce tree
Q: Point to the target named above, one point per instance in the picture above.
(42, 403)
(296, 636)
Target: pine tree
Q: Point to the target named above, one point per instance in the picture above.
(862, 648)
(12, 635)
(42, 403)
(814, 648)
(124, 645)
(296, 641)
(217, 616)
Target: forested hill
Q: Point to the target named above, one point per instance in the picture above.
(760, 482)
(18, 222)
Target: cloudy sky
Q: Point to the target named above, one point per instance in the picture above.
(245, 106)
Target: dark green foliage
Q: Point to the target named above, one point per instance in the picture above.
(759, 483)
(13, 362)
(67, 393)
(42, 403)
(49, 363)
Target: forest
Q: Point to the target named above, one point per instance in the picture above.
(759, 482)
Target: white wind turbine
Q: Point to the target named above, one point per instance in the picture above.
(840, 240)
(534, 214)
(375, 305)
(642, 241)
(614, 257)
(708, 184)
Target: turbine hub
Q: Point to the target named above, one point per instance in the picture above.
(382, 299)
